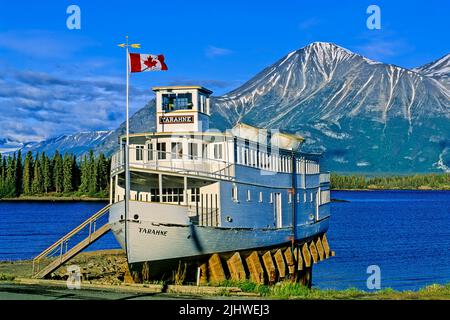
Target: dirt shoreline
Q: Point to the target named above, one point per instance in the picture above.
(106, 270)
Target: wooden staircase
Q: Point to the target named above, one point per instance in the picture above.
(82, 236)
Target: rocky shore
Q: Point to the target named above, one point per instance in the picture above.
(97, 267)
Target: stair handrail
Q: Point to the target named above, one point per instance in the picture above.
(69, 235)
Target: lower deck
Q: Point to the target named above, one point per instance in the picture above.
(225, 203)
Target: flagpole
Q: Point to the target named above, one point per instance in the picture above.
(127, 153)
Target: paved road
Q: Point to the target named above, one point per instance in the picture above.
(11, 291)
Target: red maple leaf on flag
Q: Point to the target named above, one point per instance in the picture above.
(150, 63)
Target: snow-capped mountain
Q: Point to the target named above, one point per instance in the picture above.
(439, 70)
(77, 144)
(10, 145)
(365, 115)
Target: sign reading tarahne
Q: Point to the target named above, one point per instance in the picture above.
(176, 119)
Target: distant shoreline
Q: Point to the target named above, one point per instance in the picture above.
(94, 199)
(53, 199)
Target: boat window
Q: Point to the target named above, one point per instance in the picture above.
(193, 150)
(260, 197)
(217, 151)
(289, 197)
(271, 197)
(154, 195)
(139, 153)
(234, 193)
(180, 101)
(249, 195)
(195, 194)
(312, 197)
(150, 151)
(177, 150)
(298, 197)
(161, 148)
(304, 197)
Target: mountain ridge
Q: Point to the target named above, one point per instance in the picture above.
(338, 99)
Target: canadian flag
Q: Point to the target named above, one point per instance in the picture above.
(147, 62)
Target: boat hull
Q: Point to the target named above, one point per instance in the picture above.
(152, 238)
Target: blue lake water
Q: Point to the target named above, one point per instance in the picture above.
(405, 233)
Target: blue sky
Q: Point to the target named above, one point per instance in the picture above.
(55, 81)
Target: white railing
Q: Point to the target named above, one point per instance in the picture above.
(168, 161)
(324, 178)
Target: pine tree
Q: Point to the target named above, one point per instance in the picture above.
(46, 173)
(67, 173)
(37, 186)
(93, 187)
(2, 175)
(102, 173)
(76, 173)
(19, 174)
(58, 174)
(10, 181)
(28, 169)
(84, 180)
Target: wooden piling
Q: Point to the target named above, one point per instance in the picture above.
(298, 258)
(270, 267)
(215, 269)
(320, 250)
(305, 277)
(203, 273)
(255, 268)
(146, 271)
(289, 257)
(236, 267)
(306, 255)
(281, 264)
(313, 250)
(326, 247)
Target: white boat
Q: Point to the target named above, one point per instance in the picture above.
(196, 191)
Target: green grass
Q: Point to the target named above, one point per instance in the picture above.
(6, 277)
(289, 290)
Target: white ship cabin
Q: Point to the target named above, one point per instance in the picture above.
(245, 177)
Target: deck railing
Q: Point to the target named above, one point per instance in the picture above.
(176, 162)
(325, 177)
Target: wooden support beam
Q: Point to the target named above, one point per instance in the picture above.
(298, 258)
(127, 277)
(306, 255)
(305, 277)
(236, 267)
(326, 246)
(313, 250)
(290, 260)
(203, 273)
(270, 267)
(281, 264)
(146, 271)
(255, 268)
(215, 269)
(320, 250)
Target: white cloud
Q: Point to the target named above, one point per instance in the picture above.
(212, 51)
(308, 23)
(36, 105)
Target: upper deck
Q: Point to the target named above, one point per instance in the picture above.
(184, 144)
